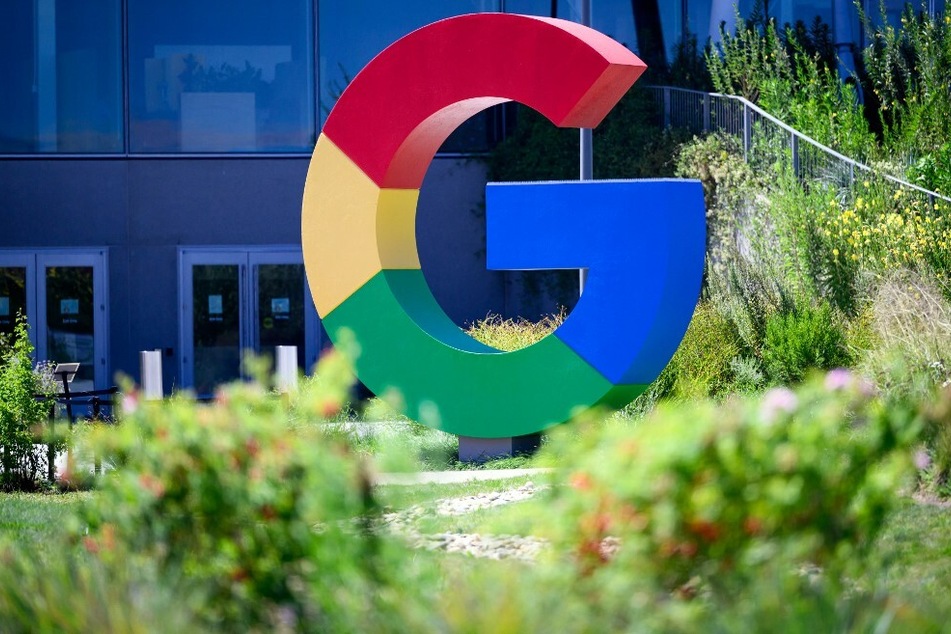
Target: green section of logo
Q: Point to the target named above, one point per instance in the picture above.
(478, 394)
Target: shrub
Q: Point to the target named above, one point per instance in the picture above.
(747, 294)
(912, 319)
(271, 527)
(729, 187)
(908, 68)
(20, 414)
(719, 498)
(72, 593)
(701, 366)
(514, 334)
(808, 337)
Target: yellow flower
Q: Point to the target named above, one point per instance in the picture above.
(835, 253)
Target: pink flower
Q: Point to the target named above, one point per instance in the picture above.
(839, 379)
(779, 400)
(130, 402)
(921, 459)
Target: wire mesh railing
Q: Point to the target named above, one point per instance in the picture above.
(767, 142)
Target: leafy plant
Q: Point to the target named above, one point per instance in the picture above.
(21, 413)
(806, 338)
(908, 68)
(702, 364)
(269, 525)
(715, 499)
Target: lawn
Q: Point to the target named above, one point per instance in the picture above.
(914, 548)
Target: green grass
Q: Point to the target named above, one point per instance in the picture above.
(37, 519)
(914, 550)
(403, 496)
(402, 446)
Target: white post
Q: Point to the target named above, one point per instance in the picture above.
(150, 366)
(285, 368)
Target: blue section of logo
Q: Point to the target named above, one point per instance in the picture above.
(643, 243)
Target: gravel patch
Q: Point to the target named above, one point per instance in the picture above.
(404, 523)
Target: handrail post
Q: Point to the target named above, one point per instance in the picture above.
(666, 107)
(706, 112)
(794, 149)
(747, 132)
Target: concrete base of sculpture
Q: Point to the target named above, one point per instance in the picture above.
(482, 449)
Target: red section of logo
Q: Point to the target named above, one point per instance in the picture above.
(396, 113)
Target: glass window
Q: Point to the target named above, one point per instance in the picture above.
(348, 40)
(12, 297)
(70, 320)
(614, 18)
(215, 77)
(61, 76)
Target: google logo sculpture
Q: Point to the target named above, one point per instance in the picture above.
(642, 241)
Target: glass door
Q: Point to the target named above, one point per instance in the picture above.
(16, 281)
(71, 306)
(239, 301)
(216, 323)
(63, 294)
(213, 303)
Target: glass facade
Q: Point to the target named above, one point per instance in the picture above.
(70, 320)
(205, 77)
(61, 76)
(241, 76)
(12, 297)
(346, 44)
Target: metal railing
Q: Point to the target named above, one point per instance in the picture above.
(767, 141)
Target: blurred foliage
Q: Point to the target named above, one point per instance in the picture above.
(744, 515)
(262, 522)
(714, 499)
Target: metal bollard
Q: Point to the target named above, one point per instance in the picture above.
(285, 368)
(150, 365)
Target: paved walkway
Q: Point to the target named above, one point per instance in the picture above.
(452, 477)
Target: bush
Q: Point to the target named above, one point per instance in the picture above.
(808, 337)
(729, 188)
(71, 592)
(719, 499)
(912, 320)
(702, 365)
(271, 527)
(908, 68)
(21, 414)
(514, 334)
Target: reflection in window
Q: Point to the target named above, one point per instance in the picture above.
(346, 45)
(210, 77)
(12, 297)
(61, 76)
(70, 317)
(614, 18)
